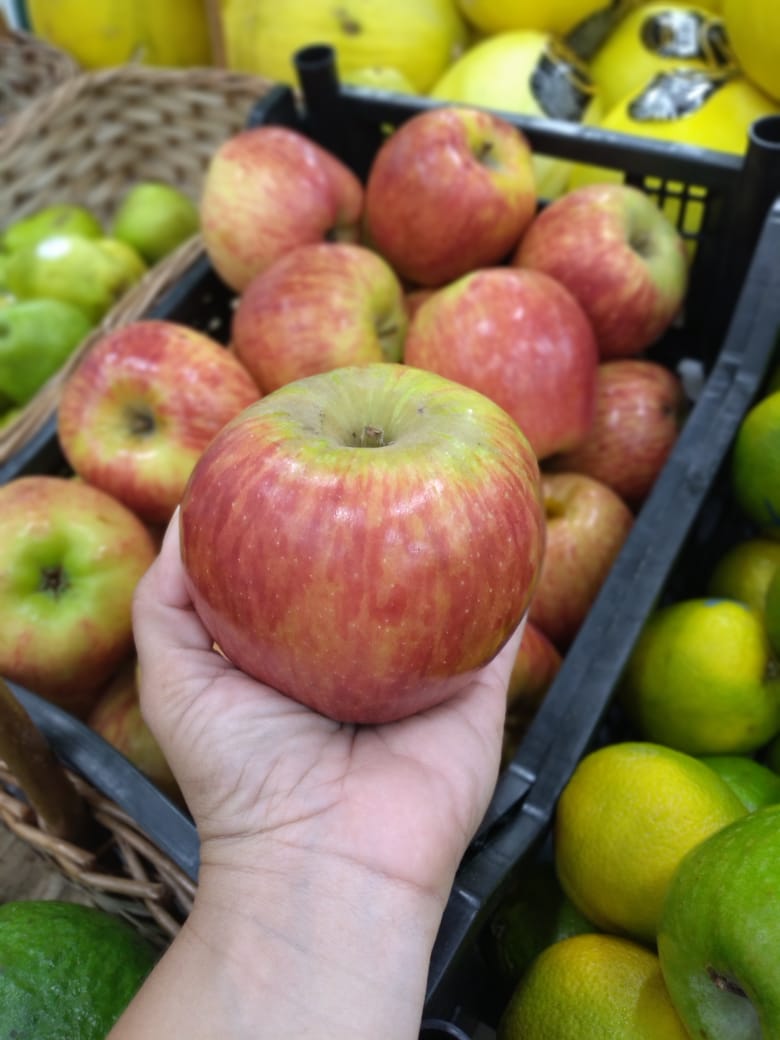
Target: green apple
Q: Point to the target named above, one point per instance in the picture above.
(59, 219)
(77, 270)
(36, 338)
(154, 219)
(720, 931)
(70, 558)
(753, 783)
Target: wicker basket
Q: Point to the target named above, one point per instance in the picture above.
(88, 141)
(61, 838)
(30, 68)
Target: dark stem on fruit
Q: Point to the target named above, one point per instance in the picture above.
(372, 437)
(725, 984)
(140, 420)
(485, 153)
(347, 22)
(54, 581)
(640, 243)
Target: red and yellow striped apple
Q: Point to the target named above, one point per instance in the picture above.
(364, 539)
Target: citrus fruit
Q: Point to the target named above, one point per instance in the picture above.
(590, 987)
(754, 29)
(696, 679)
(66, 971)
(154, 219)
(744, 571)
(770, 755)
(753, 783)
(755, 465)
(628, 814)
(535, 913)
(36, 338)
(558, 16)
(720, 931)
(772, 612)
(61, 218)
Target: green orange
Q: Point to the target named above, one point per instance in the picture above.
(755, 465)
(745, 570)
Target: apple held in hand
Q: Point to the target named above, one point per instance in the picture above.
(70, 558)
(318, 307)
(619, 255)
(363, 539)
(521, 339)
(144, 402)
(639, 410)
(451, 190)
(587, 524)
(268, 189)
(720, 929)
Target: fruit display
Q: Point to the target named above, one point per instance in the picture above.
(61, 271)
(389, 443)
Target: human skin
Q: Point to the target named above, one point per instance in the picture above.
(327, 851)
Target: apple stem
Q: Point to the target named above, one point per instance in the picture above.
(54, 581)
(372, 437)
(60, 809)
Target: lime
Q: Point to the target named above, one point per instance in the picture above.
(67, 971)
(744, 571)
(625, 819)
(755, 465)
(697, 679)
(155, 218)
(36, 338)
(58, 219)
(753, 783)
(591, 987)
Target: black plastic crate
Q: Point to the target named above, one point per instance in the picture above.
(736, 195)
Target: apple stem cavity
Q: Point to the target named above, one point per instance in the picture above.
(140, 420)
(485, 153)
(372, 437)
(54, 581)
(640, 243)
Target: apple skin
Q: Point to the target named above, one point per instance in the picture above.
(268, 189)
(318, 307)
(451, 190)
(521, 339)
(117, 717)
(720, 930)
(364, 539)
(536, 665)
(619, 255)
(70, 558)
(587, 525)
(640, 406)
(141, 406)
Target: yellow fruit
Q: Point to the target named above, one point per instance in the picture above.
(379, 77)
(105, 33)
(697, 679)
(754, 30)
(625, 819)
(419, 38)
(655, 38)
(530, 73)
(556, 16)
(745, 570)
(592, 987)
(755, 465)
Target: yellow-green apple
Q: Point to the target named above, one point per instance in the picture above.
(268, 189)
(141, 406)
(720, 928)
(640, 405)
(117, 717)
(363, 539)
(536, 665)
(587, 525)
(521, 339)
(70, 558)
(619, 254)
(451, 190)
(320, 306)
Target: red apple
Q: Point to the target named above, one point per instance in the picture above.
(522, 340)
(587, 525)
(320, 306)
(117, 717)
(623, 259)
(70, 558)
(137, 412)
(536, 665)
(364, 539)
(451, 190)
(639, 410)
(268, 189)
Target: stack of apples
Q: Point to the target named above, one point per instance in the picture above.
(490, 354)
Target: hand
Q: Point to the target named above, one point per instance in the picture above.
(335, 823)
